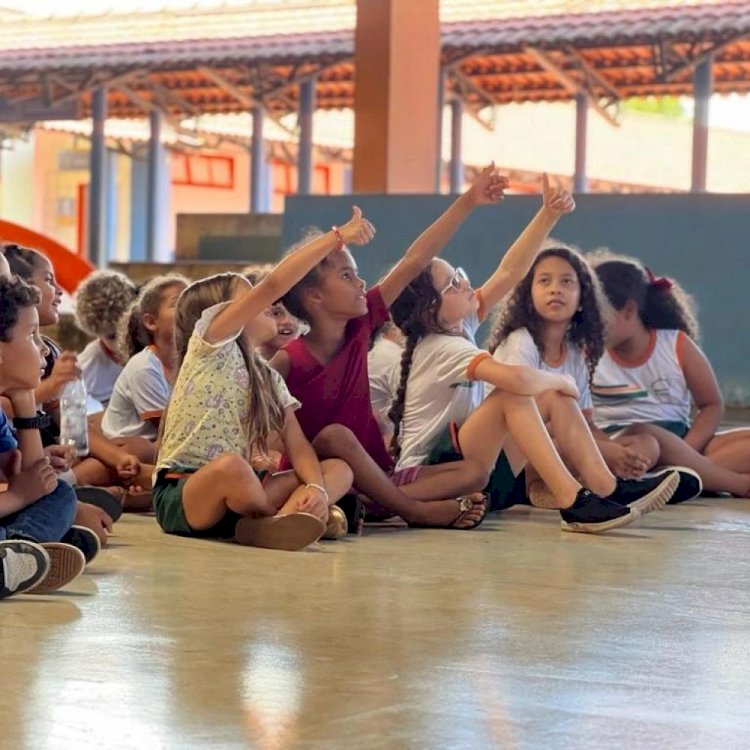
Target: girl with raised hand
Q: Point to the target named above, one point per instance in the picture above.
(653, 371)
(441, 412)
(326, 369)
(227, 403)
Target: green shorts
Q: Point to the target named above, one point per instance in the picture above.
(167, 501)
(504, 489)
(675, 427)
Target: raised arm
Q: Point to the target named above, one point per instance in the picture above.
(519, 259)
(253, 300)
(487, 188)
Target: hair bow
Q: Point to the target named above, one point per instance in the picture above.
(662, 283)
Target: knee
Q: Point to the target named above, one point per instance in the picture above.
(477, 476)
(338, 471)
(231, 467)
(648, 447)
(334, 439)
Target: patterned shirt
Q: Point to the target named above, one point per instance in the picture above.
(208, 413)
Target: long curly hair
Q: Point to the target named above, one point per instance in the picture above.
(102, 300)
(662, 303)
(415, 312)
(266, 414)
(587, 327)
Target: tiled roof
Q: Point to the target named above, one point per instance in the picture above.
(633, 48)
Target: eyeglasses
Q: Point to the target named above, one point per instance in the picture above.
(457, 282)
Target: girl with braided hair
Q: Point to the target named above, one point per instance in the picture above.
(441, 413)
(327, 371)
(654, 371)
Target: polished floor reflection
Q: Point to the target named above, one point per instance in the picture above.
(513, 636)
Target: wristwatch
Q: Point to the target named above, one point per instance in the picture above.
(39, 422)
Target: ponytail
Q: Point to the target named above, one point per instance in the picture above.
(132, 335)
(662, 303)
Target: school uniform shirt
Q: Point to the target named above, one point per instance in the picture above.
(141, 394)
(8, 441)
(339, 391)
(519, 349)
(441, 389)
(211, 404)
(100, 371)
(653, 389)
(384, 369)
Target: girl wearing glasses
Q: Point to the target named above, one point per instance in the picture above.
(326, 370)
(440, 412)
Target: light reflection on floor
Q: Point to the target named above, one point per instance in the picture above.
(515, 636)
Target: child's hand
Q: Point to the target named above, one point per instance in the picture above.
(314, 502)
(625, 462)
(95, 519)
(65, 370)
(568, 387)
(35, 482)
(128, 466)
(556, 200)
(357, 231)
(487, 187)
(266, 462)
(61, 457)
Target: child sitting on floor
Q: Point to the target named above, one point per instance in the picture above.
(554, 321)
(101, 302)
(653, 370)
(327, 371)
(36, 507)
(227, 403)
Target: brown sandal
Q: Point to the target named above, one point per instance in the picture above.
(465, 505)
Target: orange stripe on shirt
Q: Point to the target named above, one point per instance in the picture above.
(472, 368)
(155, 414)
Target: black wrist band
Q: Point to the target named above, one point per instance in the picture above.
(39, 422)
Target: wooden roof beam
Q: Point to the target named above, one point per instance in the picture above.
(226, 85)
(692, 62)
(594, 74)
(568, 83)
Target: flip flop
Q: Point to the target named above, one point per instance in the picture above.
(290, 532)
(100, 498)
(465, 505)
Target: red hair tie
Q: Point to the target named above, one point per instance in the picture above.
(662, 283)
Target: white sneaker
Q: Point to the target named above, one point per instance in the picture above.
(23, 565)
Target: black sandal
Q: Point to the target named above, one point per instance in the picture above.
(100, 498)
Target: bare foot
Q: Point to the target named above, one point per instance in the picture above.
(447, 513)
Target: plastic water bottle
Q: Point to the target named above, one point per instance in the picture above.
(74, 425)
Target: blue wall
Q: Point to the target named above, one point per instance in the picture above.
(702, 240)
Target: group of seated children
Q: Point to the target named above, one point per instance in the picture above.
(245, 407)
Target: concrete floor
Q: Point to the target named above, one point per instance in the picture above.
(512, 636)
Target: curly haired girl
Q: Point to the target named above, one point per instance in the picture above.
(101, 301)
(553, 321)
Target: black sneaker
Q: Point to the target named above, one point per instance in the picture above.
(101, 498)
(354, 510)
(689, 487)
(645, 495)
(83, 539)
(23, 565)
(591, 514)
